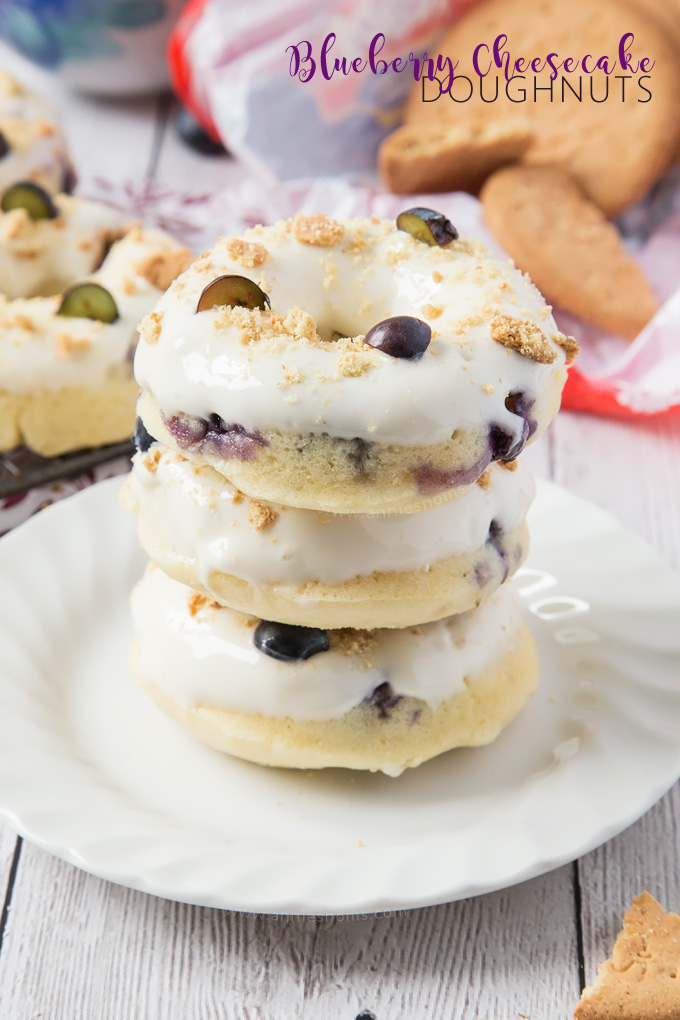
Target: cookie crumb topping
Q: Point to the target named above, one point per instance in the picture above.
(318, 230)
(162, 268)
(152, 460)
(431, 311)
(484, 480)
(261, 516)
(247, 253)
(150, 327)
(524, 337)
(67, 345)
(510, 465)
(568, 345)
(360, 643)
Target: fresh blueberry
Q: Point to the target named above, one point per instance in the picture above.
(402, 336)
(288, 643)
(88, 301)
(31, 197)
(522, 405)
(195, 136)
(428, 226)
(4, 145)
(237, 291)
(505, 445)
(142, 437)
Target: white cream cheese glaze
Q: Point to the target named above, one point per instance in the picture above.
(209, 658)
(42, 257)
(36, 148)
(40, 350)
(202, 517)
(207, 363)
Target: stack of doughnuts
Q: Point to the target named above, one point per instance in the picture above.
(327, 485)
(75, 279)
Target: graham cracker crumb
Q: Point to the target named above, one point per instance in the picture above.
(356, 357)
(318, 230)
(488, 388)
(196, 602)
(261, 516)
(248, 253)
(432, 311)
(151, 460)
(437, 277)
(28, 254)
(511, 465)
(568, 345)
(163, 267)
(484, 480)
(524, 337)
(237, 498)
(359, 643)
(150, 327)
(291, 377)
(67, 345)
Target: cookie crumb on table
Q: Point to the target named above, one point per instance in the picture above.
(642, 979)
(524, 337)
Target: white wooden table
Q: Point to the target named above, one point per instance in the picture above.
(73, 947)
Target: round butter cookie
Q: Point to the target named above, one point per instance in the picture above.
(32, 147)
(68, 329)
(328, 570)
(590, 138)
(299, 697)
(350, 366)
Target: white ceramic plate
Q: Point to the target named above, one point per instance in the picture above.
(90, 770)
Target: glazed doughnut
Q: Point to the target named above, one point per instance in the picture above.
(376, 700)
(349, 366)
(328, 570)
(65, 367)
(32, 147)
(39, 257)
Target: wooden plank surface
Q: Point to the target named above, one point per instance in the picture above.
(632, 471)
(76, 947)
(101, 950)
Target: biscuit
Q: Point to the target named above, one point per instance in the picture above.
(641, 980)
(450, 157)
(563, 241)
(616, 149)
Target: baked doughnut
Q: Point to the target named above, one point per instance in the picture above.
(350, 366)
(65, 359)
(328, 570)
(32, 147)
(381, 700)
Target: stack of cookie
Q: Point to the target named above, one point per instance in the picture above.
(552, 151)
(327, 486)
